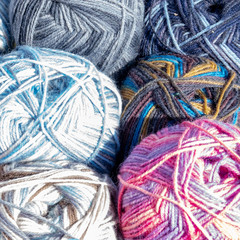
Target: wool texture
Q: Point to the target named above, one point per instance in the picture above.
(59, 204)
(205, 28)
(6, 41)
(57, 106)
(183, 183)
(163, 90)
(107, 32)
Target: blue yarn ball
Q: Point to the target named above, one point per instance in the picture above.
(6, 42)
(56, 106)
(205, 28)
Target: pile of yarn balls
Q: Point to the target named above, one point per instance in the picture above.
(119, 119)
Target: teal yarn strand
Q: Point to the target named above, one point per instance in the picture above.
(106, 32)
(57, 106)
(6, 42)
(57, 204)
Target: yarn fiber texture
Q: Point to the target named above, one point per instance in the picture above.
(163, 90)
(6, 42)
(107, 32)
(57, 204)
(205, 28)
(56, 106)
(183, 183)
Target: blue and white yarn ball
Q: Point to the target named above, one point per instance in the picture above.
(57, 106)
(5, 35)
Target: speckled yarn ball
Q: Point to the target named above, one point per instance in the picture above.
(59, 204)
(206, 28)
(56, 106)
(6, 41)
(107, 32)
(163, 90)
(183, 183)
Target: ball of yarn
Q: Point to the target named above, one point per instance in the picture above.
(107, 32)
(57, 204)
(163, 90)
(56, 106)
(183, 183)
(203, 28)
(6, 42)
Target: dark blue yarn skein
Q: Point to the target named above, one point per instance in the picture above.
(205, 28)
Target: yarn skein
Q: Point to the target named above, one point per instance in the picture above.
(56, 106)
(183, 183)
(205, 28)
(57, 204)
(163, 90)
(5, 35)
(107, 32)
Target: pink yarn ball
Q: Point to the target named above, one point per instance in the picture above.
(182, 183)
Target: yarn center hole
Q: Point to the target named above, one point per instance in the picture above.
(225, 173)
(216, 8)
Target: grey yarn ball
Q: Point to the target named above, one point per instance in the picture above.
(106, 32)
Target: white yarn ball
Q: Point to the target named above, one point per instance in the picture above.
(57, 204)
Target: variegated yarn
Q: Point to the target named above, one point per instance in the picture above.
(183, 183)
(163, 90)
(204, 28)
(56, 106)
(6, 42)
(107, 32)
(57, 204)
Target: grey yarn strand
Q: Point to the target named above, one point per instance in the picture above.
(106, 32)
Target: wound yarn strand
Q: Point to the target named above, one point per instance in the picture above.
(106, 32)
(6, 39)
(182, 183)
(200, 28)
(57, 203)
(63, 109)
(164, 90)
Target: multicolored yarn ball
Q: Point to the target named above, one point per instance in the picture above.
(183, 183)
(107, 32)
(163, 90)
(205, 28)
(56, 106)
(57, 204)
(6, 42)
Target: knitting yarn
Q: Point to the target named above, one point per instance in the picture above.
(107, 32)
(5, 36)
(206, 28)
(163, 90)
(56, 106)
(183, 183)
(57, 204)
